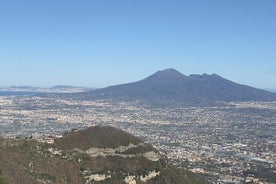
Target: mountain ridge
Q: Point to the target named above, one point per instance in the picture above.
(17, 90)
(171, 86)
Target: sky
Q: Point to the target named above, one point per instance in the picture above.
(97, 43)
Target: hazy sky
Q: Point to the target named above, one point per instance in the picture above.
(98, 43)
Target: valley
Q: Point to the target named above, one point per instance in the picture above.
(229, 141)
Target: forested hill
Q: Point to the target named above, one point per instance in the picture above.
(92, 155)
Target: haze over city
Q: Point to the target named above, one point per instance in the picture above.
(103, 43)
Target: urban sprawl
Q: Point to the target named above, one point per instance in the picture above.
(231, 142)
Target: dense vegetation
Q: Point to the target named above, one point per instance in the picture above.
(99, 137)
(27, 161)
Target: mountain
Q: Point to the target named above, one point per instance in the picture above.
(29, 90)
(271, 90)
(92, 155)
(62, 87)
(170, 86)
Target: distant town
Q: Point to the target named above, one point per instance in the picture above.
(232, 142)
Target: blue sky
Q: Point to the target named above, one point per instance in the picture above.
(97, 43)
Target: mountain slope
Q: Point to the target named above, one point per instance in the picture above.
(125, 159)
(171, 86)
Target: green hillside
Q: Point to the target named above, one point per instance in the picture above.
(93, 155)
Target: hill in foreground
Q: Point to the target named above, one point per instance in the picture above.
(93, 155)
(172, 87)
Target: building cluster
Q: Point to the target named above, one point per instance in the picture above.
(228, 143)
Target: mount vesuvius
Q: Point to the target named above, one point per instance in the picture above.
(172, 87)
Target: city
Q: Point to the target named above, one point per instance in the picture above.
(231, 142)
